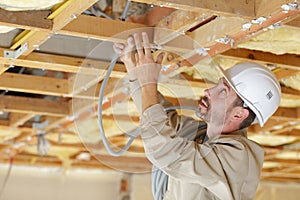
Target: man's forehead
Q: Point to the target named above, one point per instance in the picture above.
(226, 84)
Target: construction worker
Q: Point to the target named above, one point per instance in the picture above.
(203, 160)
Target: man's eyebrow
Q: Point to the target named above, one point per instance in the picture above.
(226, 84)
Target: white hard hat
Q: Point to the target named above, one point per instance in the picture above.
(257, 86)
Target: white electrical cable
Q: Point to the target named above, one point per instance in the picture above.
(100, 101)
(134, 133)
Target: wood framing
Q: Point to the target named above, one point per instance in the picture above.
(289, 61)
(33, 105)
(68, 11)
(101, 28)
(35, 20)
(231, 7)
(60, 63)
(18, 119)
(216, 27)
(34, 84)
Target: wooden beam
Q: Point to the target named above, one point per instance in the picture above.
(292, 114)
(101, 28)
(176, 24)
(233, 40)
(288, 90)
(61, 63)
(18, 119)
(294, 23)
(68, 11)
(34, 105)
(231, 7)
(290, 61)
(83, 26)
(34, 20)
(266, 8)
(34, 84)
(71, 10)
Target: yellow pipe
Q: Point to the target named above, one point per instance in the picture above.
(59, 9)
(22, 38)
(22, 34)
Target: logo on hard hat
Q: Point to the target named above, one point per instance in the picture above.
(269, 95)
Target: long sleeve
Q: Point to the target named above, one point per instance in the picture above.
(183, 126)
(213, 164)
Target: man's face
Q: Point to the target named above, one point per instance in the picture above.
(217, 103)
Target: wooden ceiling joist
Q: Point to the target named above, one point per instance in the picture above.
(33, 20)
(18, 119)
(290, 61)
(67, 12)
(240, 36)
(231, 7)
(34, 84)
(101, 29)
(206, 20)
(59, 63)
(287, 113)
(34, 105)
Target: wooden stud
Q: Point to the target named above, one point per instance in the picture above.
(102, 29)
(3, 68)
(61, 63)
(34, 84)
(263, 7)
(33, 20)
(294, 23)
(289, 61)
(235, 39)
(220, 27)
(34, 105)
(287, 113)
(176, 24)
(231, 7)
(66, 13)
(18, 119)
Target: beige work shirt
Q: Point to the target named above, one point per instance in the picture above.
(224, 167)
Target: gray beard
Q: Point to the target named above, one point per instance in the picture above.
(201, 116)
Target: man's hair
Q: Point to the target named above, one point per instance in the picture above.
(251, 117)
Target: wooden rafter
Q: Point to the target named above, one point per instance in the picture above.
(290, 61)
(18, 119)
(34, 84)
(61, 17)
(35, 20)
(231, 7)
(34, 105)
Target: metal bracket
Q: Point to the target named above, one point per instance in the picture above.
(15, 54)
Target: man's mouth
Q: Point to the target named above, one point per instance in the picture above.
(204, 102)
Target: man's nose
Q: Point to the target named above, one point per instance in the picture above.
(207, 92)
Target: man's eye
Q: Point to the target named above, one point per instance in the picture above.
(223, 93)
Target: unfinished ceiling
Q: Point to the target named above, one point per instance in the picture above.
(52, 65)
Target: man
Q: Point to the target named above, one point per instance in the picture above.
(222, 163)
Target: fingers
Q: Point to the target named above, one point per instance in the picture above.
(128, 54)
(146, 44)
(160, 58)
(138, 44)
(118, 48)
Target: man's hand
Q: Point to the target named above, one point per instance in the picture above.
(140, 65)
(146, 70)
(126, 52)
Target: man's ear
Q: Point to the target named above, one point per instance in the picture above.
(239, 114)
